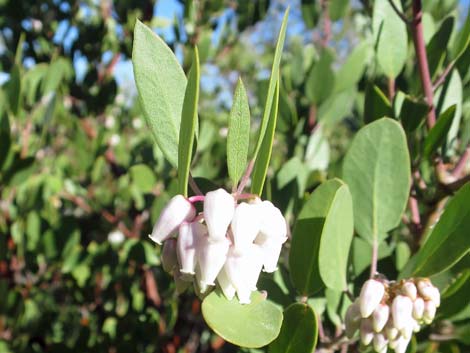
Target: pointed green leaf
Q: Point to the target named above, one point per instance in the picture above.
(272, 84)
(412, 112)
(260, 168)
(161, 85)
(390, 37)
(321, 80)
(238, 137)
(449, 240)
(377, 171)
(462, 39)
(299, 331)
(437, 135)
(247, 325)
(376, 104)
(436, 49)
(188, 125)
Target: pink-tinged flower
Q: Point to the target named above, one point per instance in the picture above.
(352, 319)
(380, 317)
(371, 295)
(169, 258)
(186, 245)
(177, 211)
(429, 311)
(429, 292)
(243, 271)
(400, 344)
(391, 330)
(379, 342)
(418, 308)
(245, 226)
(366, 332)
(402, 308)
(211, 257)
(219, 206)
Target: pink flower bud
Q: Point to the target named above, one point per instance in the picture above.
(418, 308)
(391, 331)
(245, 226)
(379, 342)
(186, 245)
(428, 291)
(380, 317)
(177, 211)
(435, 296)
(211, 257)
(352, 319)
(371, 295)
(429, 311)
(402, 308)
(367, 334)
(409, 289)
(168, 257)
(219, 206)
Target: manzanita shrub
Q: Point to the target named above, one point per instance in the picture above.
(219, 249)
(289, 176)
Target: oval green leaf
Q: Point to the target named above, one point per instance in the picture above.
(299, 331)
(161, 85)
(246, 325)
(377, 171)
(238, 137)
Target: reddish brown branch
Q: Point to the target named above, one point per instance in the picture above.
(442, 77)
(460, 166)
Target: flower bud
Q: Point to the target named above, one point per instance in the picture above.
(391, 331)
(429, 311)
(211, 257)
(371, 295)
(409, 290)
(418, 308)
(435, 296)
(379, 342)
(402, 308)
(367, 334)
(177, 211)
(186, 244)
(245, 226)
(429, 292)
(352, 319)
(219, 206)
(380, 317)
(169, 258)
(400, 344)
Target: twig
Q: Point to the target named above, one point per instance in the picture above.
(454, 186)
(415, 216)
(399, 13)
(460, 166)
(194, 186)
(326, 34)
(246, 176)
(442, 77)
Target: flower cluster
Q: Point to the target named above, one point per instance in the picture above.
(387, 313)
(228, 242)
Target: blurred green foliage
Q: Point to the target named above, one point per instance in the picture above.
(82, 181)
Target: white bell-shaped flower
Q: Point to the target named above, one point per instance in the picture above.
(169, 258)
(380, 317)
(243, 271)
(219, 206)
(379, 342)
(271, 250)
(400, 344)
(429, 292)
(366, 332)
(177, 211)
(371, 295)
(186, 245)
(245, 226)
(224, 282)
(272, 223)
(429, 311)
(409, 289)
(418, 308)
(391, 330)
(402, 308)
(211, 257)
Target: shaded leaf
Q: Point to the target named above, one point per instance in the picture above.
(376, 104)
(437, 135)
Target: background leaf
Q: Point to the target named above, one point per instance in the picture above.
(376, 104)
(299, 331)
(437, 135)
(161, 84)
(189, 119)
(238, 136)
(248, 325)
(377, 171)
